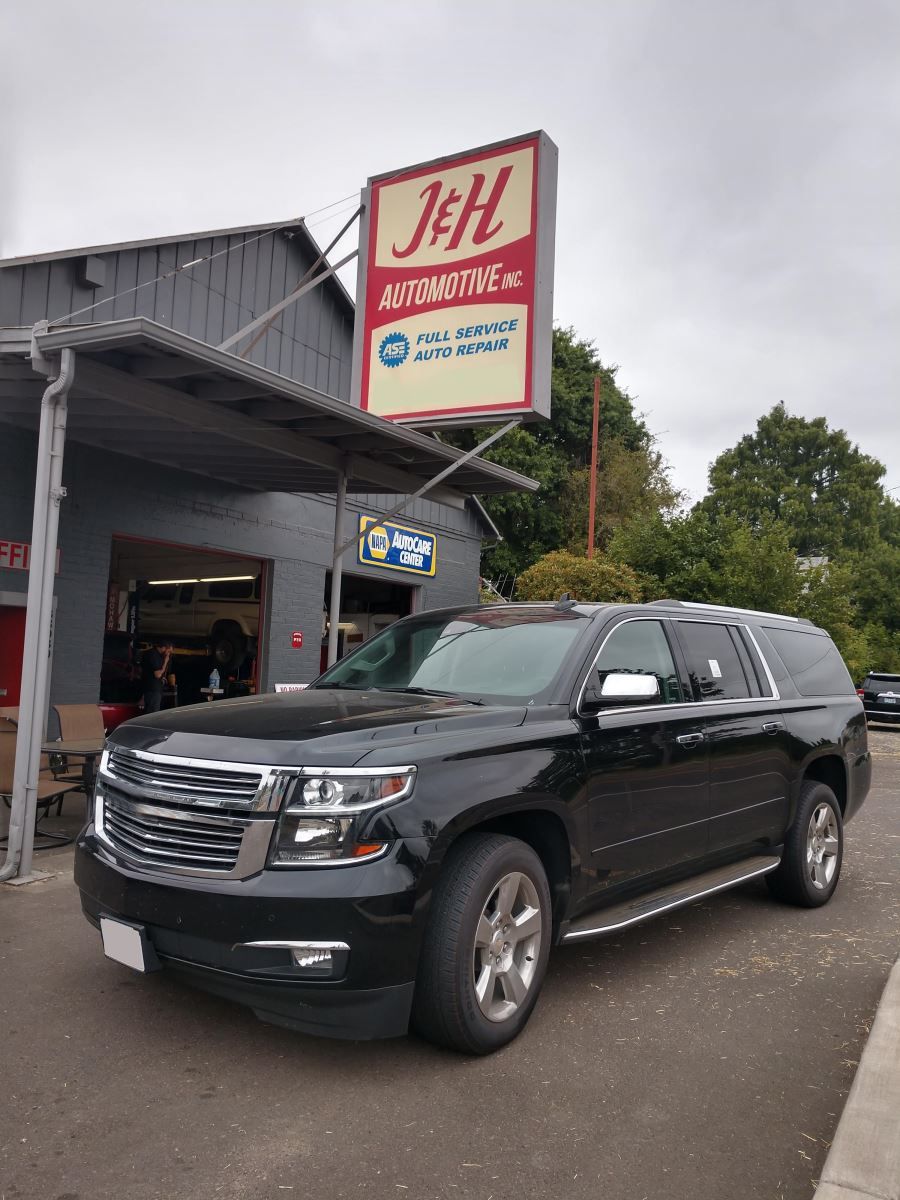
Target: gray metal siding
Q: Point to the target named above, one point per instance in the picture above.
(310, 341)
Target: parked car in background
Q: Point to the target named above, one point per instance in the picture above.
(405, 840)
(880, 694)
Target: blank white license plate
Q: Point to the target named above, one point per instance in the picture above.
(123, 943)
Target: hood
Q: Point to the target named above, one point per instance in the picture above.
(320, 726)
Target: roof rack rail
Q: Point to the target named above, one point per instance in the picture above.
(748, 612)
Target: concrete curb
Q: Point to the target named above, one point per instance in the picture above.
(864, 1159)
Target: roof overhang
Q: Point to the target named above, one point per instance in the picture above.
(144, 390)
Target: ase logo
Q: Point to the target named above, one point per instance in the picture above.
(378, 541)
(394, 349)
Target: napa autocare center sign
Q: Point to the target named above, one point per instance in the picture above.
(455, 287)
(397, 547)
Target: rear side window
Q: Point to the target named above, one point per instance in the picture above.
(161, 593)
(813, 662)
(713, 661)
(231, 589)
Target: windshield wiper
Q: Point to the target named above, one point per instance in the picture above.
(421, 691)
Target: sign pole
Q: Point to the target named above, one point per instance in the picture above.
(337, 567)
(592, 502)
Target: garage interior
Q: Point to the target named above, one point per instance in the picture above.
(367, 606)
(207, 604)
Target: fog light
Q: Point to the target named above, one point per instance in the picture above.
(308, 957)
(308, 960)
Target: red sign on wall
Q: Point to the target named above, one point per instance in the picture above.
(297, 639)
(455, 287)
(16, 556)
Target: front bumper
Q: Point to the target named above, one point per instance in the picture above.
(199, 928)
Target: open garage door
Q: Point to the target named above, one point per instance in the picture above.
(367, 606)
(206, 605)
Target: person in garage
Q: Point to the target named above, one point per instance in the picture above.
(154, 668)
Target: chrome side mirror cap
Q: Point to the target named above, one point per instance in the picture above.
(622, 687)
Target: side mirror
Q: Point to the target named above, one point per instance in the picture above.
(622, 689)
(629, 687)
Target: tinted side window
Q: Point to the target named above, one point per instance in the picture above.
(713, 662)
(231, 589)
(813, 661)
(638, 648)
(161, 593)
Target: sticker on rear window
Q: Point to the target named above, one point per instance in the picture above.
(715, 668)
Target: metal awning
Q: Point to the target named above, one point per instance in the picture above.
(149, 391)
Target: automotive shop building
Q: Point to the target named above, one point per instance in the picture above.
(199, 486)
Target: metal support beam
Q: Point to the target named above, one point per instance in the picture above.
(285, 303)
(340, 548)
(337, 568)
(298, 287)
(470, 454)
(48, 492)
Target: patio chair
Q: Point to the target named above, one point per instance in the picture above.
(77, 723)
(50, 790)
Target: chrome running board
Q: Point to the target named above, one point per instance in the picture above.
(651, 904)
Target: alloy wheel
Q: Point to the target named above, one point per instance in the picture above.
(822, 846)
(507, 946)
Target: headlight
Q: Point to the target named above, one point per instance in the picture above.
(326, 809)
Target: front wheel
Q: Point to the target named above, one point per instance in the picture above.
(486, 946)
(813, 850)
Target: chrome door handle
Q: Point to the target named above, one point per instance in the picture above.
(690, 739)
(772, 726)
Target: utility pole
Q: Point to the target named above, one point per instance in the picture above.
(592, 503)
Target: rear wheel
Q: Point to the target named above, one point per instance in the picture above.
(813, 850)
(486, 947)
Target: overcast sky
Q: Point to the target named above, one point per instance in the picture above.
(729, 188)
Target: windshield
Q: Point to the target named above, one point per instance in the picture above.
(507, 656)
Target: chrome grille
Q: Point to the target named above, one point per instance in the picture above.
(170, 838)
(182, 780)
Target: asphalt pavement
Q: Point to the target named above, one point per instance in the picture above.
(706, 1055)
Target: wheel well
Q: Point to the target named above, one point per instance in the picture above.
(830, 770)
(546, 834)
(225, 626)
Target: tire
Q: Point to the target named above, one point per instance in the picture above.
(813, 850)
(462, 1000)
(229, 646)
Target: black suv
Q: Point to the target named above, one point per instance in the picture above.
(880, 694)
(405, 840)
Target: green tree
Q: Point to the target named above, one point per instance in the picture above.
(798, 471)
(592, 580)
(725, 561)
(693, 557)
(557, 454)
(631, 485)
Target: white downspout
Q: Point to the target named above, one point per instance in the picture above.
(48, 492)
(337, 567)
